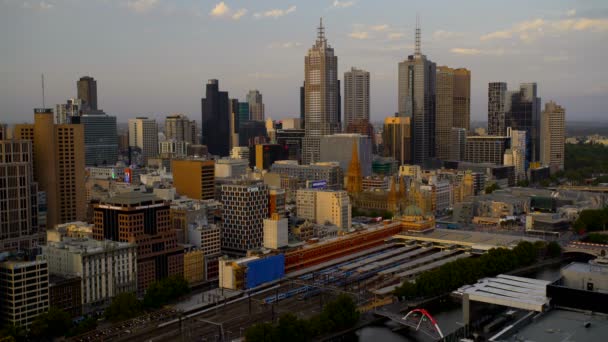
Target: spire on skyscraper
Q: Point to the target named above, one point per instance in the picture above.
(354, 178)
(417, 51)
(321, 32)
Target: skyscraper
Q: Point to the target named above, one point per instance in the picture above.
(462, 98)
(143, 133)
(194, 178)
(180, 128)
(100, 138)
(496, 108)
(416, 99)
(87, 92)
(322, 96)
(65, 111)
(397, 139)
(216, 120)
(58, 165)
(356, 97)
(453, 106)
(302, 102)
(256, 105)
(243, 112)
(552, 136)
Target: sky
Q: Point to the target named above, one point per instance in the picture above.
(154, 57)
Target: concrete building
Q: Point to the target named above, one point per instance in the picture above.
(552, 136)
(245, 208)
(194, 178)
(516, 154)
(486, 149)
(216, 120)
(356, 97)
(275, 232)
(145, 220)
(291, 140)
(325, 206)
(194, 266)
(292, 123)
(87, 92)
(397, 139)
(458, 143)
(322, 96)
(453, 106)
(143, 133)
(416, 100)
(231, 168)
(240, 152)
(338, 147)
(25, 291)
(65, 293)
(207, 238)
(100, 138)
(262, 156)
(180, 128)
(276, 202)
(331, 172)
(19, 227)
(170, 149)
(256, 105)
(59, 167)
(66, 111)
(107, 268)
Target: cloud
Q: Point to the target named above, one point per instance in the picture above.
(359, 35)
(526, 31)
(379, 28)
(38, 6)
(275, 12)
(530, 30)
(571, 13)
(475, 52)
(445, 35)
(395, 35)
(285, 45)
(221, 10)
(342, 4)
(142, 6)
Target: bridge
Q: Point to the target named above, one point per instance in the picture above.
(594, 249)
(417, 319)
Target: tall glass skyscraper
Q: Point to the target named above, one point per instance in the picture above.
(216, 120)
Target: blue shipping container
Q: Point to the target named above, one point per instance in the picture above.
(264, 270)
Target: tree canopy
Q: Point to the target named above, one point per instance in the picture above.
(51, 324)
(591, 220)
(123, 306)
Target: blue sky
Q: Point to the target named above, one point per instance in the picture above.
(154, 57)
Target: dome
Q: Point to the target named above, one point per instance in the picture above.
(412, 210)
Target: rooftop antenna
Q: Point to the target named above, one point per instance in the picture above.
(417, 51)
(321, 29)
(42, 78)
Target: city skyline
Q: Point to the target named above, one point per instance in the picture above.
(556, 45)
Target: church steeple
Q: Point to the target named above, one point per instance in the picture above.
(354, 178)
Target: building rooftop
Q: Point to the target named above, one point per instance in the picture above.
(477, 240)
(131, 198)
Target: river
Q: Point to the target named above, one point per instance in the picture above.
(448, 316)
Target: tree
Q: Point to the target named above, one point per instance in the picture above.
(554, 249)
(591, 220)
(53, 323)
(13, 333)
(261, 332)
(491, 188)
(340, 313)
(88, 324)
(164, 291)
(123, 306)
(292, 329)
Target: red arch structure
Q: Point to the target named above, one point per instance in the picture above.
(425, 323)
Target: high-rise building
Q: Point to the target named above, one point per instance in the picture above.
(552, 136)
(19, 229)
(458, 141)
(24, 287)
(321, 206)
(356, 97)
(143, 133)
(291, 139)
(322, 96)
(252, 132)
(256, 105)
(216, 120)
(142, 219)
(87, 92)
(497, 124)
(65, 111)
(244, 114)
(194, 178)
(338, 147)
(100, 138)
(262, 156)
(303, 102)
(59, 166)
(245, 208)
(416, 99)
(330, 172)
(453, 106)
(3, 131)
(235, 123)
(275, 232)
(397, 139)
(486, 149)
(180, 128)
(516, 154)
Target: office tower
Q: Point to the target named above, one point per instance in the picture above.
(19, 230)
(262, 156)
(291, 140)
(194, 178)
(244, 114)
(25, 291)
(252, 132)
(107, 268)
(271, 131)
(3, 131)
(516, 155)
(275, 232)
(452, 106)
(235, 123)
(172, 149)
(397, 139)
(180, 128)
(338, 147)
(216, 120)
(356, 97)
(58, 160)
(331, 173)
(458, 141)
(303, 102)
(256, 105)
(87, 92)
(143, 133)
(100, 138)
(524, 115)
(64, 112)
(320, 206)
(245, 208)
(497, 106)
(416, 96)
(552, 136)
(142, 219)
(322, 94)
(486, 149)
(65, 293)
(276, 202)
